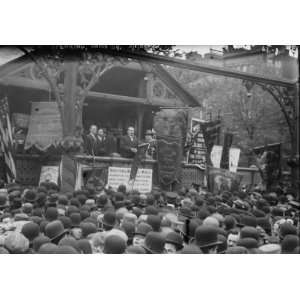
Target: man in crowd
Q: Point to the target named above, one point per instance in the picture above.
(129, 144)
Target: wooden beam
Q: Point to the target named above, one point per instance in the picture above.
(13, 66)
(200, 67)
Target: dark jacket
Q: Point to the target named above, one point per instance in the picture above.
(101, 146)
(91, 145)
(126, 144)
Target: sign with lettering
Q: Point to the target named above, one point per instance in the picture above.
(49, 174)
(234, 156)
(45, 127)
(118, 176)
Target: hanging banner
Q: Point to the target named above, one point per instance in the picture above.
(45, 127)
(223, 180)
(49, 174)
(234, 157)
(216, 155)
(169, 158)
(228, 138)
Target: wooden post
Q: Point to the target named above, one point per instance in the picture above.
(69, 123)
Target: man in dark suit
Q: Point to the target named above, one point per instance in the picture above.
(128, 144)
(101, 147)
(91, 141)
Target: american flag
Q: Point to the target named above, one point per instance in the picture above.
(6, 141)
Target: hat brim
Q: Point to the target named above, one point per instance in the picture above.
(151, 251)
(216, 243)
(59, 235)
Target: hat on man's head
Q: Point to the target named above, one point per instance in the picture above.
(211, 221)
(55, 230)
(47, 248)
(249, 243)
(109, 219)
(114, 244)
(84, 246)
(75, 219)
(154, 243)
(176, 239)
(249, 232)
(128, 228)
(30, 230)
(69, 241)
(39, 241)
(30, 196)
(66, 221)
(51, 214)
(154, 221)
(287, 228)
(289, 243)
(206, 236)
(143, 228)
(87, 228)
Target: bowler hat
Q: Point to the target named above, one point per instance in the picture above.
(51, 214)
(66, 221)
(249, 232)
(75, 219)
(30, 196)
(55, 230)
(229, 222)
(249, 243)
(30, 230)
(175, 239)
(154, 221)
(69, 241)
(128, 228)
(154, 243)
(206, 236)
(289, 243)
(39, 241)
(143, 228)
(109, 219)
(87, 228)
(287, 228)
(114, 244)
(47, 248)
(270, 249)
(84, 246)
(211, 221)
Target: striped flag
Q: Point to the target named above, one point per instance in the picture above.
(6, 141)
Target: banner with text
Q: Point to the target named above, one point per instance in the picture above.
(118, 176)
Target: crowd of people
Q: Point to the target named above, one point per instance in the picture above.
(101, 142)
(98, 220)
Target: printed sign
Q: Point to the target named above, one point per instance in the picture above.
(49, 174)
(118, 176)
(234, 156)
(216, 155)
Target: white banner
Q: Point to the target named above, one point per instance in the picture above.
(118, 176)
(234, 156)
(50, 174)
(216, 155)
